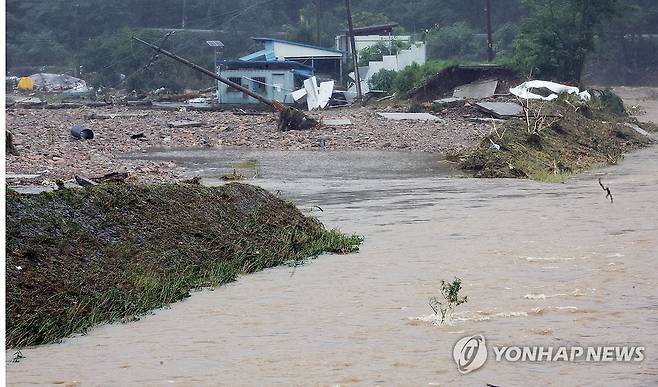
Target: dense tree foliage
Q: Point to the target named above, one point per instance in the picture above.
(552, 37)
(556, 37)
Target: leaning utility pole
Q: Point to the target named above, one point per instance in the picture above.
(274, 104)
(289, 117)
(489, 38)
(182, 23)
(355, 61)
(76, 28)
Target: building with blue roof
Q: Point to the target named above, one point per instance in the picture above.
(278, 69)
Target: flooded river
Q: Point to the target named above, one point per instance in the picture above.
(551, 265)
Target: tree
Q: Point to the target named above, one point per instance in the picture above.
(379, 49)
(457, 41)
(365, 18)
(557, 35)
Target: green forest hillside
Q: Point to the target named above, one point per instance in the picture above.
(92, 37)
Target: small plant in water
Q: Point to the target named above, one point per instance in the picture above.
(450, 299)
(18, 355)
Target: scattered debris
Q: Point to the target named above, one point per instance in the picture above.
(18, 355)
(410, 116)
(25, 83)
(84, 182)
(196, 180)
(10, 148)
(184, 124)
(523, 90)
(63, 105)
(199, 101)
(57, 82)
(337, 122)
(476, 90)
(242, 112)
(448, 102)
(316, 97)
(444, 83)
(607, 190)
(501, 109)
(78, 131)
(637, 129)
(233, 176)
(116, 177)
(485, 120)
(108, 116)
(21, 176)
(293, 119)
(141, 102)
(30, 102)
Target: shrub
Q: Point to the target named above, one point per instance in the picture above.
(450, 299)
(410, 77)
(383, 80)
(379, 49)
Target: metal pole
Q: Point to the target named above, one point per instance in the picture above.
(76, 71)
(490, 51)
(183, 16)
(274, 104)
(353, 45)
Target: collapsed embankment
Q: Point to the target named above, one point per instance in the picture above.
(80, 257)
(558, 138)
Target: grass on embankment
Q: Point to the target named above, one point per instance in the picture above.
(80, 257)
(556, 139)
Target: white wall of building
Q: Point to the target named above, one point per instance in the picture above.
(284, 50)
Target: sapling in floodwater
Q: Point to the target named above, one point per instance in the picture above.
(451, 299)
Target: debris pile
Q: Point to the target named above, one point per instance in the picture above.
(552, 140)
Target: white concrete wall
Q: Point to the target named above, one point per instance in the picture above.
(362, 42)
(284, 50)
(416, 54)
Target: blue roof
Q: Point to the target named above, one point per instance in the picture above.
(270, 65)
(296, 44)
(265, 54)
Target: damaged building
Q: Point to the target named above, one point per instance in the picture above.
(274, 80)
(278, 69)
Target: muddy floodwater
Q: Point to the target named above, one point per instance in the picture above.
(551, 265)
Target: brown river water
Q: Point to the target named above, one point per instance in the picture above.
(542, 264)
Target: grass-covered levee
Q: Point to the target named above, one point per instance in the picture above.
(80, 257)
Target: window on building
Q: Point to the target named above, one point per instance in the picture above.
(259, 85)
(237, 80)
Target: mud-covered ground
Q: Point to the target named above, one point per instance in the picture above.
(45, 146)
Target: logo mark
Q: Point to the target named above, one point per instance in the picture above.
(470, 353)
